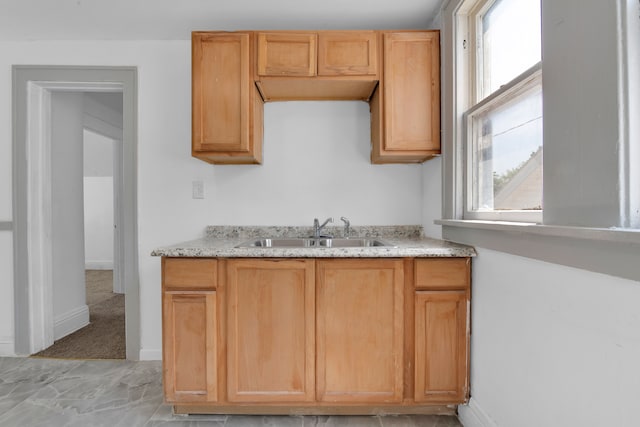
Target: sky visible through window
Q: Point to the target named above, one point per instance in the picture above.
(512, 132)
(511, 41)
(511, 45)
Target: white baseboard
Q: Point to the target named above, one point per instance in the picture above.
(98, 265)
(150, 354)
(472, 415)
(70, 321)
(7, 346)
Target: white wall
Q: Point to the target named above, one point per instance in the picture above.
(98, 201)
(583, 112)
(316, 164)
(6, 236)
(298, 181)
(552, 345)
(432, 197)
(70, 311)
(98, 222)
(6, 293)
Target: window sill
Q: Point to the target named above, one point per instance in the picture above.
(612, 251)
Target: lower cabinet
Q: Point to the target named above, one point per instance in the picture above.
(241, 334)
(442, 332)
(360, 331)
(189, 356)
(271, 331)
(190, 329)
(441, 346)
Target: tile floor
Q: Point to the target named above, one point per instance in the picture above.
(38, 392)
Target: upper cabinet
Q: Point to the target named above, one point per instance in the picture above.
(348, 53)
(287, 54)
(405, 110)
(396, 72)
(227, 110)
(326, 53)
(323, 65)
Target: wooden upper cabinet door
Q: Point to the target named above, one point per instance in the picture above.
(360, 331)
(271, 331)
(441, 346)
(347, 53)
(287, 54)
(189, 346)
(225, 122)
(220, 92)
(411, 95)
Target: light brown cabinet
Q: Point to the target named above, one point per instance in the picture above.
(322, 65)
(271, 331)
(397, 72)
(360, 331)
(348, 53)
(287, 54)
(315, 335)
(189, 307)
(227, 110)
(405, 109)
(324, 53)
(442, 330)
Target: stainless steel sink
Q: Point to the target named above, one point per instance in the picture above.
(277, 243)
(314, 243)
(352, 243)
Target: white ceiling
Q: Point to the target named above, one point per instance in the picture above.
(175, 19)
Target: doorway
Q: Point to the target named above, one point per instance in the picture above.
(35, 208)
(88, 304)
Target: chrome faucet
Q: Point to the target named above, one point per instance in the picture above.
(317, 228)
(347, 226)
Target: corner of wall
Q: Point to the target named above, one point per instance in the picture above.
(472, 415)
(150, 354)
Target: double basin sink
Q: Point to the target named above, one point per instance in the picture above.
(314, 243)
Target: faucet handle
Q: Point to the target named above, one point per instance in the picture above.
(347, 226)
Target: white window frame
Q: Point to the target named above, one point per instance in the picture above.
(469, 51)
(610, 248)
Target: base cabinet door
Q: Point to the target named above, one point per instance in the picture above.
(360, 331)
(270, 335)
(441, 346)
(189, 346)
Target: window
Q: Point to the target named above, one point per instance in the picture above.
(503, 117)
(591, 131)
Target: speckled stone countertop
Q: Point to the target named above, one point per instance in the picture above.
(221, 242)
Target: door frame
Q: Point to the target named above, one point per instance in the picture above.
(33, 304)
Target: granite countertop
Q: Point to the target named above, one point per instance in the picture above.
(221, 242)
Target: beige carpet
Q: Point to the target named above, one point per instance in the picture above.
(104, 337)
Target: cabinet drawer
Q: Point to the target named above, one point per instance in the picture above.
(447, 273)
(189, 273)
